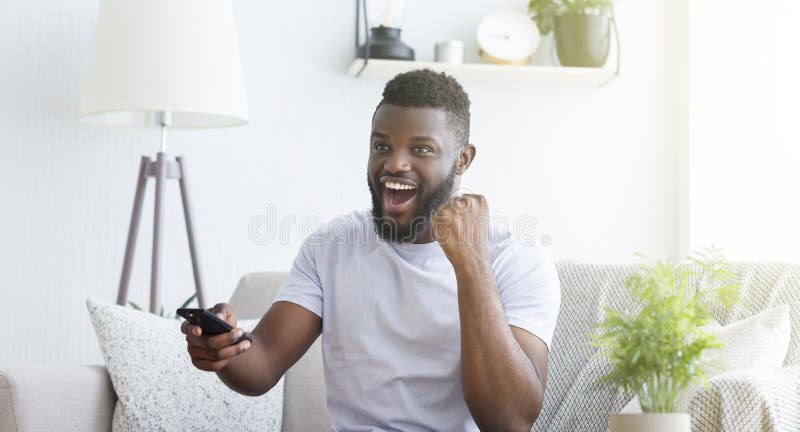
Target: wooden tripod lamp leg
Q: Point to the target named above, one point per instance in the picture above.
(158, 225)
(198, 284)
(130, 247)
(160, 169)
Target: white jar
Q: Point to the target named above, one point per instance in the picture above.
(451, 52)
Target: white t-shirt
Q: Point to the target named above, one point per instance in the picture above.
(390, 322)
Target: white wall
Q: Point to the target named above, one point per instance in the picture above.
(745, 143)
(596, 166)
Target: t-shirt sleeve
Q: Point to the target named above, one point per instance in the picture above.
(529, 290)
(303, 286)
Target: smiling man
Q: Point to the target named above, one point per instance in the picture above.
(430, 320)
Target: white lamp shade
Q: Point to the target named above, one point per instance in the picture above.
(151, 56)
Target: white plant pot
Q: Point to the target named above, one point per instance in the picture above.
(650, 422)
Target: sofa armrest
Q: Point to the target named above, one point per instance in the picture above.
(757, 401)
(55, 397)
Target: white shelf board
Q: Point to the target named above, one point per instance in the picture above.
(489, 73)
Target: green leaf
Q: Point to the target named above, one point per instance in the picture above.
(189, 300)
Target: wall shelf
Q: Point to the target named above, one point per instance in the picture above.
(489, 73)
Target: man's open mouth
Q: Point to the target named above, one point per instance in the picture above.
(398, 197)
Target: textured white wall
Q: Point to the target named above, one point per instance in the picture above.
(596, 166)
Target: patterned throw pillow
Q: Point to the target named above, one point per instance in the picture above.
(157, 386)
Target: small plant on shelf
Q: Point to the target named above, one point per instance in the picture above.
(581, 29)
(544, 12)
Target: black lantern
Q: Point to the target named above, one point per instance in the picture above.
(384, 19)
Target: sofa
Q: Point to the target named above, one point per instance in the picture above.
(82, 398)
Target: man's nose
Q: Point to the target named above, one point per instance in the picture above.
(397, 162)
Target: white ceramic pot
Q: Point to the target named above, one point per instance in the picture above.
(650, 422)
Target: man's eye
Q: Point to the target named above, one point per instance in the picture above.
(422, 150)
(380, 146)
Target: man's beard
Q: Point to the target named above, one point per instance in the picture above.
(389, 230)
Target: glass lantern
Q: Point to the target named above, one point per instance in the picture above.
(385, 13)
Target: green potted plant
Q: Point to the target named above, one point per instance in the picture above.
(657, 351)
(582, 29)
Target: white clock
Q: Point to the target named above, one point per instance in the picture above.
(507, 37)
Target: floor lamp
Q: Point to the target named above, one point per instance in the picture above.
(163, 64)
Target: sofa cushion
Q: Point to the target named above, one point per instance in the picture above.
(157, 386)
(765, 285)
(55, 397)
(757, 342)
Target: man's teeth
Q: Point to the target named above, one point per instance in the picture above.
(398, 186)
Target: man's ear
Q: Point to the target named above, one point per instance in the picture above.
(465, 158)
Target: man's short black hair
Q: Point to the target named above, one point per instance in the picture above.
(424, 88)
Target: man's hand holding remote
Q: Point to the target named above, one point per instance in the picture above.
(254, 368)
(213, 352)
